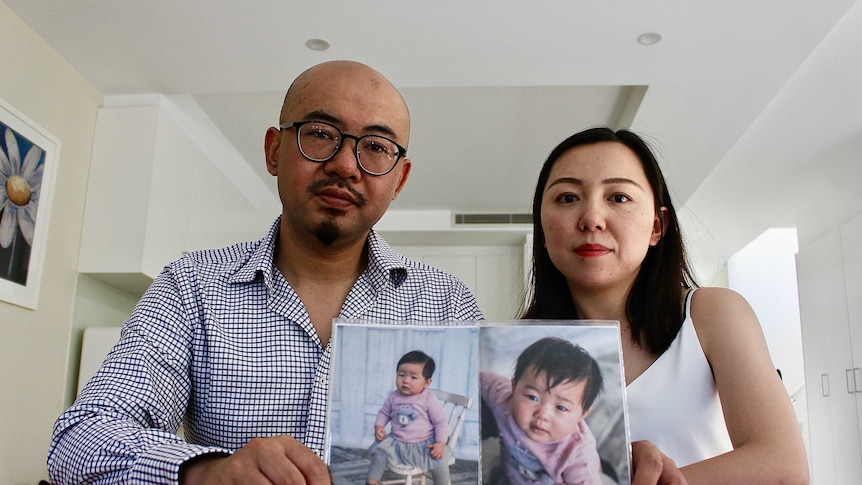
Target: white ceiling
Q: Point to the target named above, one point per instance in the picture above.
(493, 86)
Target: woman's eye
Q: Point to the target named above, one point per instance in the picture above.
(568, 198)
(621, 198)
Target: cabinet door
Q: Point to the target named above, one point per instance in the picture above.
(851, 244)
(834, 441)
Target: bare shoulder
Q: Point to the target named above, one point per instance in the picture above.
(713, 303)
(721, 314)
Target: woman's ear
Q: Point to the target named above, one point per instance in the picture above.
(662, 219)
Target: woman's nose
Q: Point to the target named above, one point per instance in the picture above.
(592, 218)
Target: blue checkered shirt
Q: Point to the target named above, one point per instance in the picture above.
(221, 342)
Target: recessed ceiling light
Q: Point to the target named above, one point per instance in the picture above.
(317, 44)
(649, 38)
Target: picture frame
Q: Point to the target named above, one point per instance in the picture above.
(366, 360)
(28, 165)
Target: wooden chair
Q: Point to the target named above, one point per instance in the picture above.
(456, 407)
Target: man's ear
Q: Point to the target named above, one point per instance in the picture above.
(271, 144)
(662, 219)
(406, 165)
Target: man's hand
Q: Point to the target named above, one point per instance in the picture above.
(652, 467)
(279, 460)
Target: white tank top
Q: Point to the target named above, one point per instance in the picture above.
(674, 403)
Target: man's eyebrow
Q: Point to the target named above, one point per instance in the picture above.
(322, 116)
(329, 118)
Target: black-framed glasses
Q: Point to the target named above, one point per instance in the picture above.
(319, 141)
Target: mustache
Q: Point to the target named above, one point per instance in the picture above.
(339, 182)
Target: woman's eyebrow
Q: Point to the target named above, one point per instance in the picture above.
(566, 180)
(607, 181)
(621, 180)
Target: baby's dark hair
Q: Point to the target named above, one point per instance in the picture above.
(562, 361)
(419, 357)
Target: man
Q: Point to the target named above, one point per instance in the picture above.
(235, 342)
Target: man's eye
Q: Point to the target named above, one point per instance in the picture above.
(376, 147)
(319, 133)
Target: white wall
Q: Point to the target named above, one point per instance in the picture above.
(493, 273)
(34, 344)
(96, 305)
(764, 272)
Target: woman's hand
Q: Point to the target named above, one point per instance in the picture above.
(652, 467)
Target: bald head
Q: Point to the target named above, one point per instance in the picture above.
(341, 78)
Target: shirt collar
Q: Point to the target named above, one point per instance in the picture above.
(385, 266)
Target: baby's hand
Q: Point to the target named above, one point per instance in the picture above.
(379, 433)
(437, 450)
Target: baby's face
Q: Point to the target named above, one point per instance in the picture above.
(547, 414)
(410, 380)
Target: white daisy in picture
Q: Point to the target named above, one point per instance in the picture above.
(20, 185)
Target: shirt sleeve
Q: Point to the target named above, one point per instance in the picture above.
(385, 413)
(584, 465)
(437, 417)
(494, 388)
(122, 428)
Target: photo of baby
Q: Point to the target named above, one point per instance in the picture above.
(540, 387)
(419, 429)
(467, 403)
(404, 405)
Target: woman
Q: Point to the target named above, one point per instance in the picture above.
(607, 246)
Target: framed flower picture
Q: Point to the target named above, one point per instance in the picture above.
(28, 163)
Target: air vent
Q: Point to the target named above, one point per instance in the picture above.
(493, 219)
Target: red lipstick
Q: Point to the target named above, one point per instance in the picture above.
(591, 250)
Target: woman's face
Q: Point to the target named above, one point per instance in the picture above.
(599, 217)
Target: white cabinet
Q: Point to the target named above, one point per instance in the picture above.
(830, 299)
(155, 192)
(136, 208)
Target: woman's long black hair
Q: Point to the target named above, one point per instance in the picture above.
(654, 306)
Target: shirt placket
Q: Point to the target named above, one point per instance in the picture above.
(317, 414)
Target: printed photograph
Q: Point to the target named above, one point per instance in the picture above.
(552, 405)
(403, 404)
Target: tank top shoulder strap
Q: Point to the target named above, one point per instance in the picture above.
(688, 302)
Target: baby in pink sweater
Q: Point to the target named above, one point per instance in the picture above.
(540, 413)
(418, 429)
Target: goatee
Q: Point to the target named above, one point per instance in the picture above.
(327, 233)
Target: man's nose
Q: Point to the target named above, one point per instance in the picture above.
(344, 162)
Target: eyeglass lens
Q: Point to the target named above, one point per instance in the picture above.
(320, 141)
